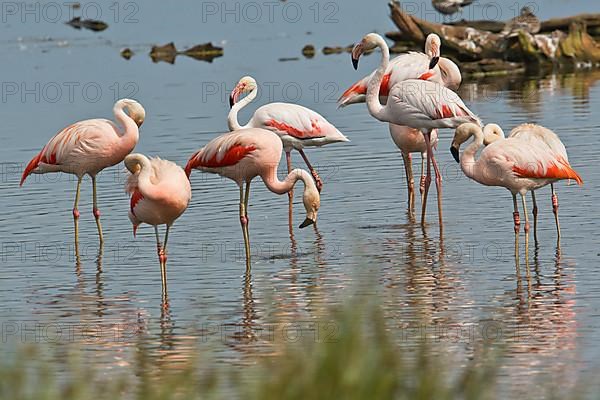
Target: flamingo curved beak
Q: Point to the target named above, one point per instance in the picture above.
(356, 53)
(433, 62)
(307, 222)
(455, 154)
(235, 95)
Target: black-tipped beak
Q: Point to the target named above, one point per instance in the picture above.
(231, 101)
(355, 63)
(454, 152)
(433, 62)
(307, 222)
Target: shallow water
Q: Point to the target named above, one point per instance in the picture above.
(461, 289)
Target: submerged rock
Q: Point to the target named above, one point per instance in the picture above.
(166, 53)
(203, 52)
(308, 51)
(91, 24)
(126, 53)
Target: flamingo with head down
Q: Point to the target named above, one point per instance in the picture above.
(244, 154)
(87, 147)
(416, 103)
(297, 126)
(160, 192)
(536, 135)
(516, 163)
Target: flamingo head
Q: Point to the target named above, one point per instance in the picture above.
(433, 44)
(368, 43)
(312, 202)
(245, 85)
(134, 162)
(491, 133)
(450, 73)
(135, 110)
(462, 134)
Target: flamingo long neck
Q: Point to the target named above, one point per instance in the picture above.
(131, 133)
(280, 187)
(373, 103)
(232, 117)
(467, 158)
(144, 183)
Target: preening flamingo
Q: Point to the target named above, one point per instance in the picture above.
(416, 103)
(160, 192)
(297, 126)
(536, 135)
(244, 154)
(412, 65)
(517, 164)
(87, 147)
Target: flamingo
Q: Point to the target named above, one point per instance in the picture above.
(412, 65)
(87, 147)
(160, 192)
(416, 103)
(542, 136)
(246, 153)
(518, 164)
(449, 7)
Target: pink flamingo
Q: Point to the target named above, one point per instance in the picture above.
(87, 147)
(539, 136)
(518, 164)
(412, 65)
(160, 192)
(297, 126)
(416, 103)
(244, 154)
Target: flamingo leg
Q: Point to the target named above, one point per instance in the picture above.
(313, 172)
(517, 221)
(288, 158)
(438, 188)
(422, 181)
(161, 260)
(535, 215)
(76, 215)
(410, 182)
(526, 231)
(427, 177)
(96, 210)
(555, 210)
(244, 222)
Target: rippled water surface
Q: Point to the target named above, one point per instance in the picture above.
(461, 287)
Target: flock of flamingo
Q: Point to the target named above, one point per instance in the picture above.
(413, 93)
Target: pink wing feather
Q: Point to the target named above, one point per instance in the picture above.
(294, 120)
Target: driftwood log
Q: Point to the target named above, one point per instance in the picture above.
(564, 43)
